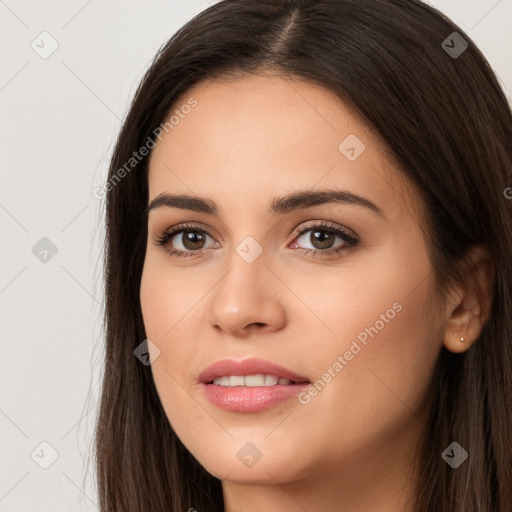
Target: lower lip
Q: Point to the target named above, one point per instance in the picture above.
(248, 398)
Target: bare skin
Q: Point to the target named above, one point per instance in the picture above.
(350, 447)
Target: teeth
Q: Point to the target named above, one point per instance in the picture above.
(271, 380)
(237, 380)
(251, 380)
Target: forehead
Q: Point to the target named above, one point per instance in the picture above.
(249, 139)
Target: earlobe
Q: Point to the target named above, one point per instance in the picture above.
(463, 329)
(456, 344)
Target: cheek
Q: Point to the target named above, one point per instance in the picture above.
(388, 339)
(169, 295)
(377, 343)
(167, 303)
(173, 302)
(169, 300)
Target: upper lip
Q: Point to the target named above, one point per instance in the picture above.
(249, 366)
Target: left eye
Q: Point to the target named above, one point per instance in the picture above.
(323, 239)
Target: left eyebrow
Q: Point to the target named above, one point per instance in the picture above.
(280, 205)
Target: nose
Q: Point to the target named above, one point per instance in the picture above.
(246, 299)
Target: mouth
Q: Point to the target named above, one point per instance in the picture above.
(250, 372)
(250, 385)
(258, 379)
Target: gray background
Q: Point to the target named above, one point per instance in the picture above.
(60, 116)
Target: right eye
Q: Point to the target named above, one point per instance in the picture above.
(190, 238)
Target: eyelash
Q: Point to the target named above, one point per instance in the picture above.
(324, 226)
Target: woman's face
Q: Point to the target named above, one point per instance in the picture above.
(358, 324)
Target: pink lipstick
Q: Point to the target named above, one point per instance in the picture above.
(250, 385)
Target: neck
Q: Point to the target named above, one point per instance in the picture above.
(381, 478)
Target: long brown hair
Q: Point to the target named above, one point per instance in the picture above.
(448, 125)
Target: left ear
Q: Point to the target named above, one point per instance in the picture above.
(468, 308)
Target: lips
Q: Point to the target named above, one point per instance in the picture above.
(252, 366)
(243, 394)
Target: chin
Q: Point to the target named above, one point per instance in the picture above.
(241, 462)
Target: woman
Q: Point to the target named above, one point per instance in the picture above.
(308, 277)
